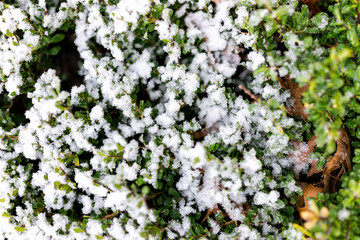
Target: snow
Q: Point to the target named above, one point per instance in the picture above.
(343, 214)
(186, 96)
(255, 60)
(270, 199)
(251, 164)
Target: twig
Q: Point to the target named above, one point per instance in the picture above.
(247, 91)
(67, 176)
(115, 156)
(153, 196)
(103, 185)
(111, 215)
(329, 228)
(16, 38)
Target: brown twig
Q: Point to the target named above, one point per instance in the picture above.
(16, 37)
(111, 215)
(103, 185)
(247, 91)
(153, 196)
(62, 170)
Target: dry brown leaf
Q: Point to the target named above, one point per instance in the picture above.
(296, 94)
(244, 207)
(309, 190)
(307, 209)
(340, 161)
(209, 212)
(205, 131)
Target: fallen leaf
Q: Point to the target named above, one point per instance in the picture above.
(205, 131)
(209, 212)
(309, 190)
(340, 160)
(296, 94)
(307, 208)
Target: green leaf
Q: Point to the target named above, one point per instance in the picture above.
(101, 154)
(353, 37)
(336, 12)
(173, 192)
(57, 184)
(57, 38)
(2, 200)
(349, 8)
(356, 159)
(155, 231)
(175, 213)
(166, 41)
(344, 54)
(6, 215)
(158, 185)
(308, 41)
(76, 160)
(8, 33)
(140, 181)
(20, 229)
(145, 190)
(79, 230)
(54, 51)
(358, 73)
(281, 11)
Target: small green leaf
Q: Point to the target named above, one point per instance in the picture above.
(145, 190)
(140, 181)
(356, 159)
(6, 215)
(101, 154)
(57, 38)
(166, 41)
(173, 192)
(79, 230)
(358, 72)
(8, 33)
(2, 199)
(54, 51)
(353, 37)
(57, 184)
(20, 229)
(76, 160)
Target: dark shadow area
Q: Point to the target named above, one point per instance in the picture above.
(97, 49)
(20, 104)
(67, 63)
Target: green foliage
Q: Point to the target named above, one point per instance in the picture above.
(344, 210)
